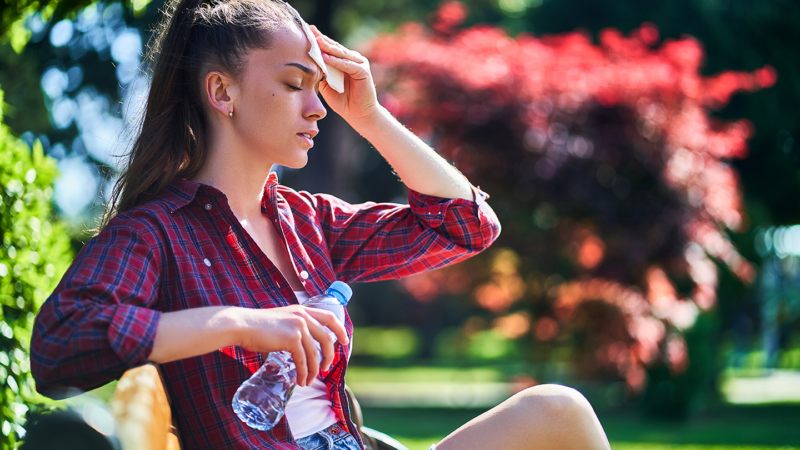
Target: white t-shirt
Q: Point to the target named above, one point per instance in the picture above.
(309, 408)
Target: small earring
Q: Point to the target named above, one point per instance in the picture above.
(230, 113)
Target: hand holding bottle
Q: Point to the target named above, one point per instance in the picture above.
(260, 401)
(296, 329)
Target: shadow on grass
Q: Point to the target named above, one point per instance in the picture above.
(740, 426)
(772, 425)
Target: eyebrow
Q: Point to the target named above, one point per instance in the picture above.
(306, 70)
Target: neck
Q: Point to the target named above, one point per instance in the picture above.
(230, 167)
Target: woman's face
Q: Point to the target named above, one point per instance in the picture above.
(278, 106)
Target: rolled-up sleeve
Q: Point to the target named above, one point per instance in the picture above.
(99, 321)
(378, 241)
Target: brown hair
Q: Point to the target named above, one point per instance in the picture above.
(193, 37)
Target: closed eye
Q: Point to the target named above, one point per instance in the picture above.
(294, 88)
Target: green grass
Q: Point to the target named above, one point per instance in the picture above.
(424, 444)
(742, 427)
(644, 446)
(732, 428)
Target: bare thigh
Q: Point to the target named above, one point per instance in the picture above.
(542, 417)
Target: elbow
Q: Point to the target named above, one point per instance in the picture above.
(58, 380)
(52, 391)
(490, 228)
(45, 380)
(54, 376)
(485, 230)
(489, 234)
(43, 369)
(494, 232)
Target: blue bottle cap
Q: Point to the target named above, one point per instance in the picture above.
(341, 291)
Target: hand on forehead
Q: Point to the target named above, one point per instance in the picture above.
(333, 76)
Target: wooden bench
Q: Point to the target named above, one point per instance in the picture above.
(142, 411)
(143, 415)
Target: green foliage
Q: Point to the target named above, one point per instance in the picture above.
(24, 104)
(14, 13)
(34, 254)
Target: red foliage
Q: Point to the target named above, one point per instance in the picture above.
(557, 124)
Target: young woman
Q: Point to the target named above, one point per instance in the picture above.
(206, 258)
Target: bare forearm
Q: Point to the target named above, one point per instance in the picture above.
(194, 332)
(294, 328)
(418, 165)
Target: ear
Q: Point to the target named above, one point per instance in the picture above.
(220, 91)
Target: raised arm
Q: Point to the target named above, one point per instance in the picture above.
(419, 166)
(447, 218)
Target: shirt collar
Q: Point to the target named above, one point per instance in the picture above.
(181, 192)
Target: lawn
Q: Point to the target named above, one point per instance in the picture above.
(420, 405)
(730, 428)
(734, 427)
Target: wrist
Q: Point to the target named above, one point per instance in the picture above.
(373, 124)
(234, 324)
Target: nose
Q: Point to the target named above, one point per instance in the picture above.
(315, 110)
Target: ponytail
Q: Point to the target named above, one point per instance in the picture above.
(192, 36)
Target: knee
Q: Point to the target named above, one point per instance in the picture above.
(555, 401)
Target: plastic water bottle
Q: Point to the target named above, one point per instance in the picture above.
(261, 400)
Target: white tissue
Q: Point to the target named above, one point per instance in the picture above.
(333, 76)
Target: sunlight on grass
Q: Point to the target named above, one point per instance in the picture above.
(385, 343)
(417, 443)
(760, 386)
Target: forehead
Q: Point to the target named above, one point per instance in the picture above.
(289, 44)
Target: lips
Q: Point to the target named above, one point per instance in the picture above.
(310, 133)
(307, 138)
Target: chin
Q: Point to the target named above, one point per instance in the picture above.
(296, 163)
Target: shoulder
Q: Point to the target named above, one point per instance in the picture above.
(144, 220)
(320, 202)
(299, 200)
(151, 221)
(160, 211)
(140, 227)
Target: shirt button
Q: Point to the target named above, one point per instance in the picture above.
(207, 262)
(304, 275)
(208, 206)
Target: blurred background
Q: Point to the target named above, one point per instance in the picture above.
(641, 157)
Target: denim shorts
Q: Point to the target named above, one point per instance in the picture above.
(332, 438)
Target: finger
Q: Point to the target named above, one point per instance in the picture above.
(323, 35)
(352, 68)
(334, 48)
(326, 339)
(312, 356)
(299, 357)
(329, 320)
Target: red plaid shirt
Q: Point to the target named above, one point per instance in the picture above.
(186, 249)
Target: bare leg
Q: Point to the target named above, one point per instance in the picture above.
(542, 418)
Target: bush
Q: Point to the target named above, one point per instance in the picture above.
(610, 176)
(35, 254)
